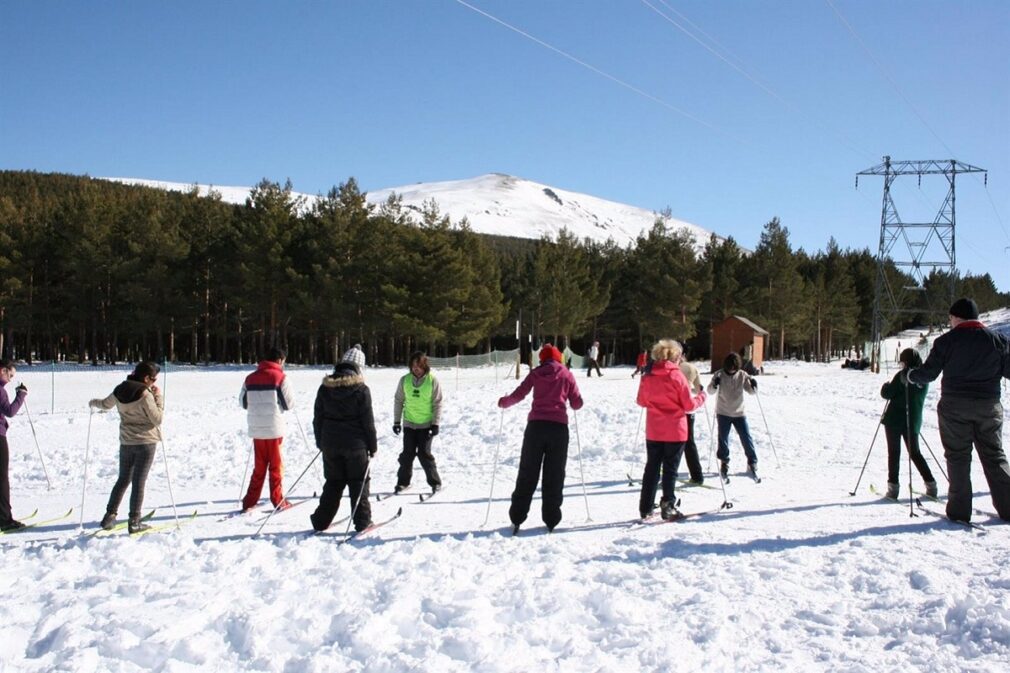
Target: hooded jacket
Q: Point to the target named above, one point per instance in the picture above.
(343, 419)
(552, 385)
(666, 394)
(972, 358)
(140, 412)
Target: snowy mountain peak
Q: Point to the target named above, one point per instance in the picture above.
(503, 205)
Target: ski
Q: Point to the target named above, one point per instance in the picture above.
(933, 512)
(36, 524)
(121, 525)
(654, 519)
(684, 483)
(379, 497)
(167, 526)
(425, 497)
(267, 513)
(874, 491)
(358, 533)
(30, 516)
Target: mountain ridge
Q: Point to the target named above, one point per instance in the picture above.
(498, 204)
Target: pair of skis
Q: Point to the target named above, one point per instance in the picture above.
(932, 512)
(123, 525)
(36, 524)
(422, 497)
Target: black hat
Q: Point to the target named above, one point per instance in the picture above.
(965, 309)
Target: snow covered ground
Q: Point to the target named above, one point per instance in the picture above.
(798, 575)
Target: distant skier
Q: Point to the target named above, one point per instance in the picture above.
(896, 424)
(344, 428)
(972, 359)
(266, 394)
(591, 359)
(141, 408)
(731, 382)
(666, 395)
(7, 410)
(640, 363)
(545, 442)
(418, 400)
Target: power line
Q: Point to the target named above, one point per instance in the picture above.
(730, 60)
(602, 73)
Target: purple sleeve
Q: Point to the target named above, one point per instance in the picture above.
(8, 408)
(574, 396)
(518, 394)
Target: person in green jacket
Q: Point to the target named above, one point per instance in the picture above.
(896, 423)
(418, 400)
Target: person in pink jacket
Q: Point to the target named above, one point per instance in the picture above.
(545, 441)
(666, 396)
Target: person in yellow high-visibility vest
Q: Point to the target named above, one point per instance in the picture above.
(418, 400)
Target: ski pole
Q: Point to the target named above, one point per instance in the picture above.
(710, 425)
(908, 449)
(301, 429)
(361, 493)
(494, 472)
(634, 464)
(726, 504)
(769, 432)
(582, 474)
(290, 490)
(168, 476)
(870, 450)
(938, 463)
(241, 485)
(87, 449)
(31, 424)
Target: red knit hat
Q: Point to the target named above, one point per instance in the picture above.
(549, 352)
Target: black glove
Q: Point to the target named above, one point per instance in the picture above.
(715, 381)
(753, 384)
(21, 388)
(433, 430)
(371, 453)
(396, 428)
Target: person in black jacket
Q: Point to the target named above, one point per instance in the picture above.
(345, 432)
(972, 359)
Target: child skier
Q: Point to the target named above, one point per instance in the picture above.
(731, 382)
(418, 399)
(896, 423)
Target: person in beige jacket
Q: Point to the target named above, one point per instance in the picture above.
(140, 408)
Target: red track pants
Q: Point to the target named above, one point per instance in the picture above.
(268, 456)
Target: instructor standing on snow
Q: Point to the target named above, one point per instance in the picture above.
(418, 399)
(972, 359)
(265, 395)
(7, 410)
(545, 441)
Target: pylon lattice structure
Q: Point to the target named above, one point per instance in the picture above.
(928, 247)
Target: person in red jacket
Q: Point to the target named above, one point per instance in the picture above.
(545, 441)
(640, 364)
(666, 396)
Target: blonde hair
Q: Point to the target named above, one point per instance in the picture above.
(666, 349)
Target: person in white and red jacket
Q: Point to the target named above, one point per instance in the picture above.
(545, 441)
(666, 396)
(266, 394)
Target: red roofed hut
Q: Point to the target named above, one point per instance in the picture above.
(738, 335)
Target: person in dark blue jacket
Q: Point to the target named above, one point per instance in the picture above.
(972, 359)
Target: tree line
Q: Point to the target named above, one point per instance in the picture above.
(99, 271)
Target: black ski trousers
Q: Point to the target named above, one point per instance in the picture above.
(545, 443)
(135, 462)
(6, 516)
(964, 422)
(417, 442)
(665, 455)
(894, 436)
(343, 469)
(691, 453)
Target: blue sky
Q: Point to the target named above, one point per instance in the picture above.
(393, 93)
